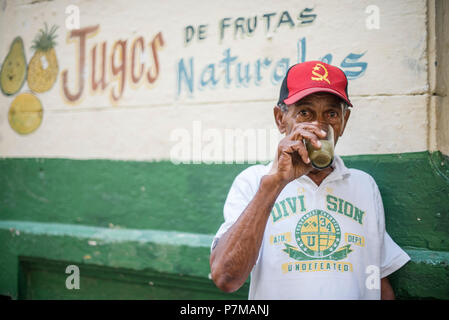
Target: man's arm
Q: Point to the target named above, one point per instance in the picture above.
(237, 250)
(386, 291)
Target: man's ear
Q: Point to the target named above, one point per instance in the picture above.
(347, 114)
(279, 119)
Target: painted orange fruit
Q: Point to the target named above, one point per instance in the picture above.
(25, 113)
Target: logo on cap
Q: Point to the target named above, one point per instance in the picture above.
(322, 76)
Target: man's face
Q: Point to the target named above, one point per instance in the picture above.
(320, 109)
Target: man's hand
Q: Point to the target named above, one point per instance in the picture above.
(292, 160)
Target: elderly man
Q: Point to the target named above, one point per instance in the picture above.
(303, 231)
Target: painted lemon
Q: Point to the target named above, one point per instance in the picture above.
(25, 113)
(43, 67)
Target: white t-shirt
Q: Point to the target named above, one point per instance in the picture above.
(320, 242)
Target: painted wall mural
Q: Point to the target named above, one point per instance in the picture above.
(142, 63)
(25, 112)
(43, 67)
(14, 68)
(237, 73)
(231, 71)
(124, 62)
(127, 63)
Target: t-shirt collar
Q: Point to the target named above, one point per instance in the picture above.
(340, 171)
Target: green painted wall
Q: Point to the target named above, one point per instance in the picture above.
(142, 230)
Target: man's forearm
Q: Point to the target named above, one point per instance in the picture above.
(236, 252)
(386, 292)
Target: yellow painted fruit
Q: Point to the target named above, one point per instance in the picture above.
(43, 66)
(43, 70)
(25, 113)
(14, 68)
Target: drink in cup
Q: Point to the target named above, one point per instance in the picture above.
(323, 157)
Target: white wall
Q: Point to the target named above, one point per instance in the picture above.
(389, 86)
(439, 73)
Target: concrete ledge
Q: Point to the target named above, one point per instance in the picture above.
(36, 251)
(137, 249)
(426, 276)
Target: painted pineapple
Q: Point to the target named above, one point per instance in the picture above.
(43, 66)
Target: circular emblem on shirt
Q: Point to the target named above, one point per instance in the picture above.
(317, 234)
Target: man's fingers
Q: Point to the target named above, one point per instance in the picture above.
(294, 146)
(321, 134)
(301, 133)
(303, 153)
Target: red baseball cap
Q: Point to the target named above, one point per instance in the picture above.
(309, 77)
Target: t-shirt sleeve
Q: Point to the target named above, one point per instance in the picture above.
(240, 194)
(392, 257)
